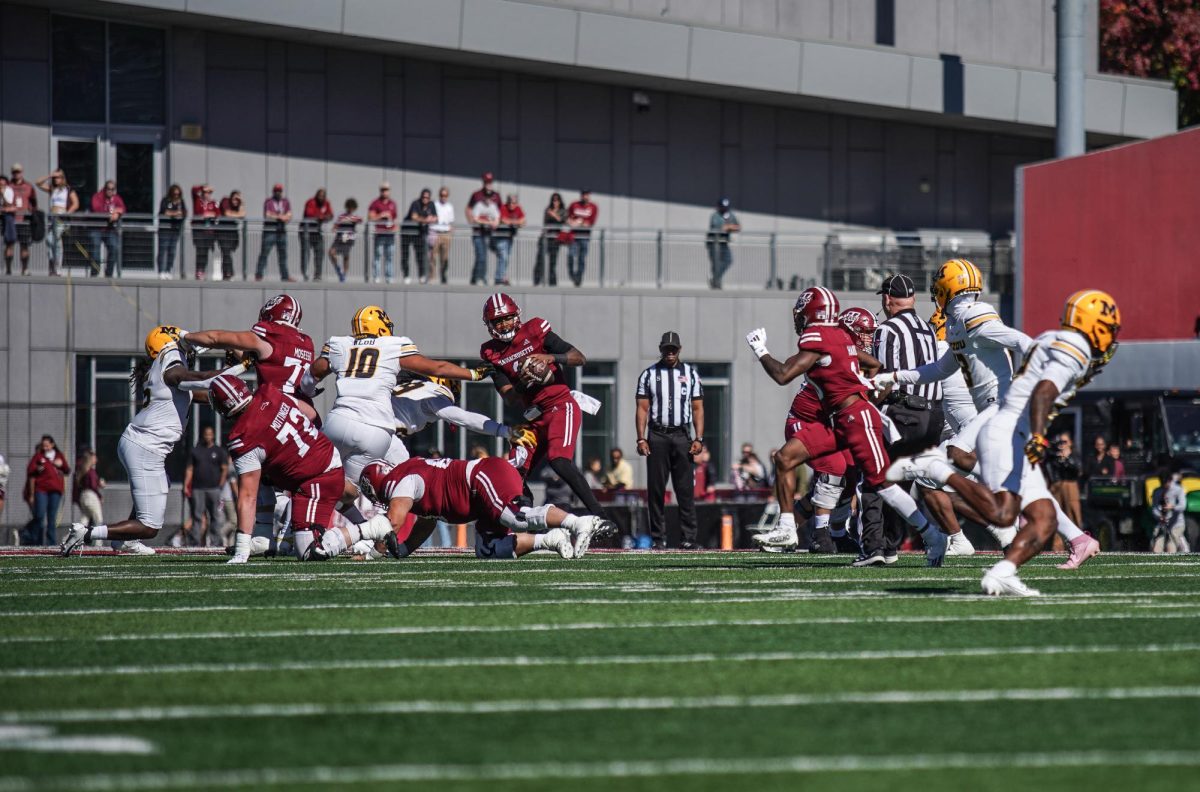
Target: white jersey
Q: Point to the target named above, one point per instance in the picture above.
(980, 345)
(957, 403)
(419, 403)
(366, 369)
(1063, 357)
(158, 426)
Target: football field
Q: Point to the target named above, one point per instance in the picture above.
(697, 671)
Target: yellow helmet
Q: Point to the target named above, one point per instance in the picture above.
(938, 320)
(159, 337)
(1095, 314)
(955, 277)
(371, 321)
(452, 385)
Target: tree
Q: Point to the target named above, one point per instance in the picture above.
(1155, 38)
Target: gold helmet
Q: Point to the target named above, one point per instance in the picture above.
(371, 321)
(955, 277)
(1095, 314)
(938, 321)
(452, 385)
(159, 337)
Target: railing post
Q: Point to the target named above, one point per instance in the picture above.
(603, 256)
(117, 268)
(366, 253)
(773, 278)
(658, 258)
(828, 274)
(245, 249)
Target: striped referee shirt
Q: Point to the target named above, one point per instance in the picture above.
(670, 390)
(904, 342)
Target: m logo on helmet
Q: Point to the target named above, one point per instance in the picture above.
(1107, 309)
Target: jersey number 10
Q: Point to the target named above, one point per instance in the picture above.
(362, 363)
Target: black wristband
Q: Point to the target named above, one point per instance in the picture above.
(561, 360)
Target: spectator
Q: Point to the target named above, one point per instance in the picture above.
(414, 233)
(594, 474)
(552, 237)
(206, 474)
(440, 235)
(317, 212)
(277, 213)
(107, 202)
(345, 231)
(24, 201)
(619, 475)
(383, 212)
(483, 214)
(205, 214)
(1118, 467)
(512, 217)
(44, 490)
(558, 491)
(722, 223)
(229, 231)
(1169, 504)
(1099, 464)
(1063, 469)
(228, 508)
(87, 486)
(171, 210)
(705, 477)
(581, 216)
(9, 225)
(4, 471)
(63, 200)
(749, 471)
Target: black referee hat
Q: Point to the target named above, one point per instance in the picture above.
(898, 286)
(670, 339)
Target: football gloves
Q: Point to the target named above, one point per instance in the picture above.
(757, 339)
(1036, 448)
(883, 380)
(480, 373)
(235, 358)
(522, 435)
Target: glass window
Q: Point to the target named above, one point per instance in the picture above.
(597, 433)
(77, 159)
(77, 51)
(105, 407)
(714, 377)
(136, 75)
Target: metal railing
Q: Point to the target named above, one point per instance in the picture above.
(142, 246)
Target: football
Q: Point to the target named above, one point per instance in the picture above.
(535, 372)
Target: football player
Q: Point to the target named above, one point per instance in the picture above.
(367, 365)
(982, 347)
(528, 360)
(419, 401)
(828, 354)
(488, 492)
(1012, 444)
(272, 437)
(146, 442)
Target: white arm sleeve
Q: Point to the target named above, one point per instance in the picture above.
(469, 420)
(411, 486)
(251, 460)
(1004, 336)
(199, 385)
(938, 370)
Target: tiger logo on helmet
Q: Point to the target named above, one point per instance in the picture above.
(955, 277)
(1095, 314)
(158, 338)
(371, 321)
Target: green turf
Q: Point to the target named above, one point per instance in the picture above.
(633, 671)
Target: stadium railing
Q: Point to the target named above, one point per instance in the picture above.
(854, 259)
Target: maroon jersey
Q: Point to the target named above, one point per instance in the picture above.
(458, 491)
(291, 356)
(274, 436)
(806, 406)
(506, 356)
(835, 375)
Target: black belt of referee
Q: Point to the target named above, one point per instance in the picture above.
(663, 428)
(910, 400)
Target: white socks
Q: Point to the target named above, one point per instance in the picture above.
(1068, 530)
(568, 523)
(819, 521)
(788, 520)
(1003, 569)
(903, 504)
(539, 542)
(99, 532)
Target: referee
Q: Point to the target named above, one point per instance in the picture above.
(668, 405)
(903, 341)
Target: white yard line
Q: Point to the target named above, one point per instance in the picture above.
(654, 768)
(522, 661)
(1191, 615)
(414, 707)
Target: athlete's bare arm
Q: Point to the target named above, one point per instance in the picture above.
(320, 369)
(869, 365)
(419, 364)
(238, 340)
(560, 352)
(398, 509)
(788, 370)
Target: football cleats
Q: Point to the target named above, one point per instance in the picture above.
(370, 482)
(860, 323)
(159, 337)
(371, 320)
(938, 322)
(1094, 314)
(282, 308)
(228, 395)
(502, 316)
(816, 305)
(955, 277)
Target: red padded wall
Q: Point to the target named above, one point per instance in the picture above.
(1126, 220)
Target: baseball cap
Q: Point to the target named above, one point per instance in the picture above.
(16, 166)
(723, 203)
(277, 187)
(670, 339)
(489, 176)
(385, 186)
(898, 286)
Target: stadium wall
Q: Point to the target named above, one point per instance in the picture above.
(1122, 220)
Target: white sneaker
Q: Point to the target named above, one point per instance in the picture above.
(259, 545)
(904, 469)
(559, 540)
(135, 547)
(780, 537)
(930, 465)
(959, 545)
(1006, 586)
(1004, 536)
(588, 528)
(935, 546)
(74, 539)
(238, 559)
